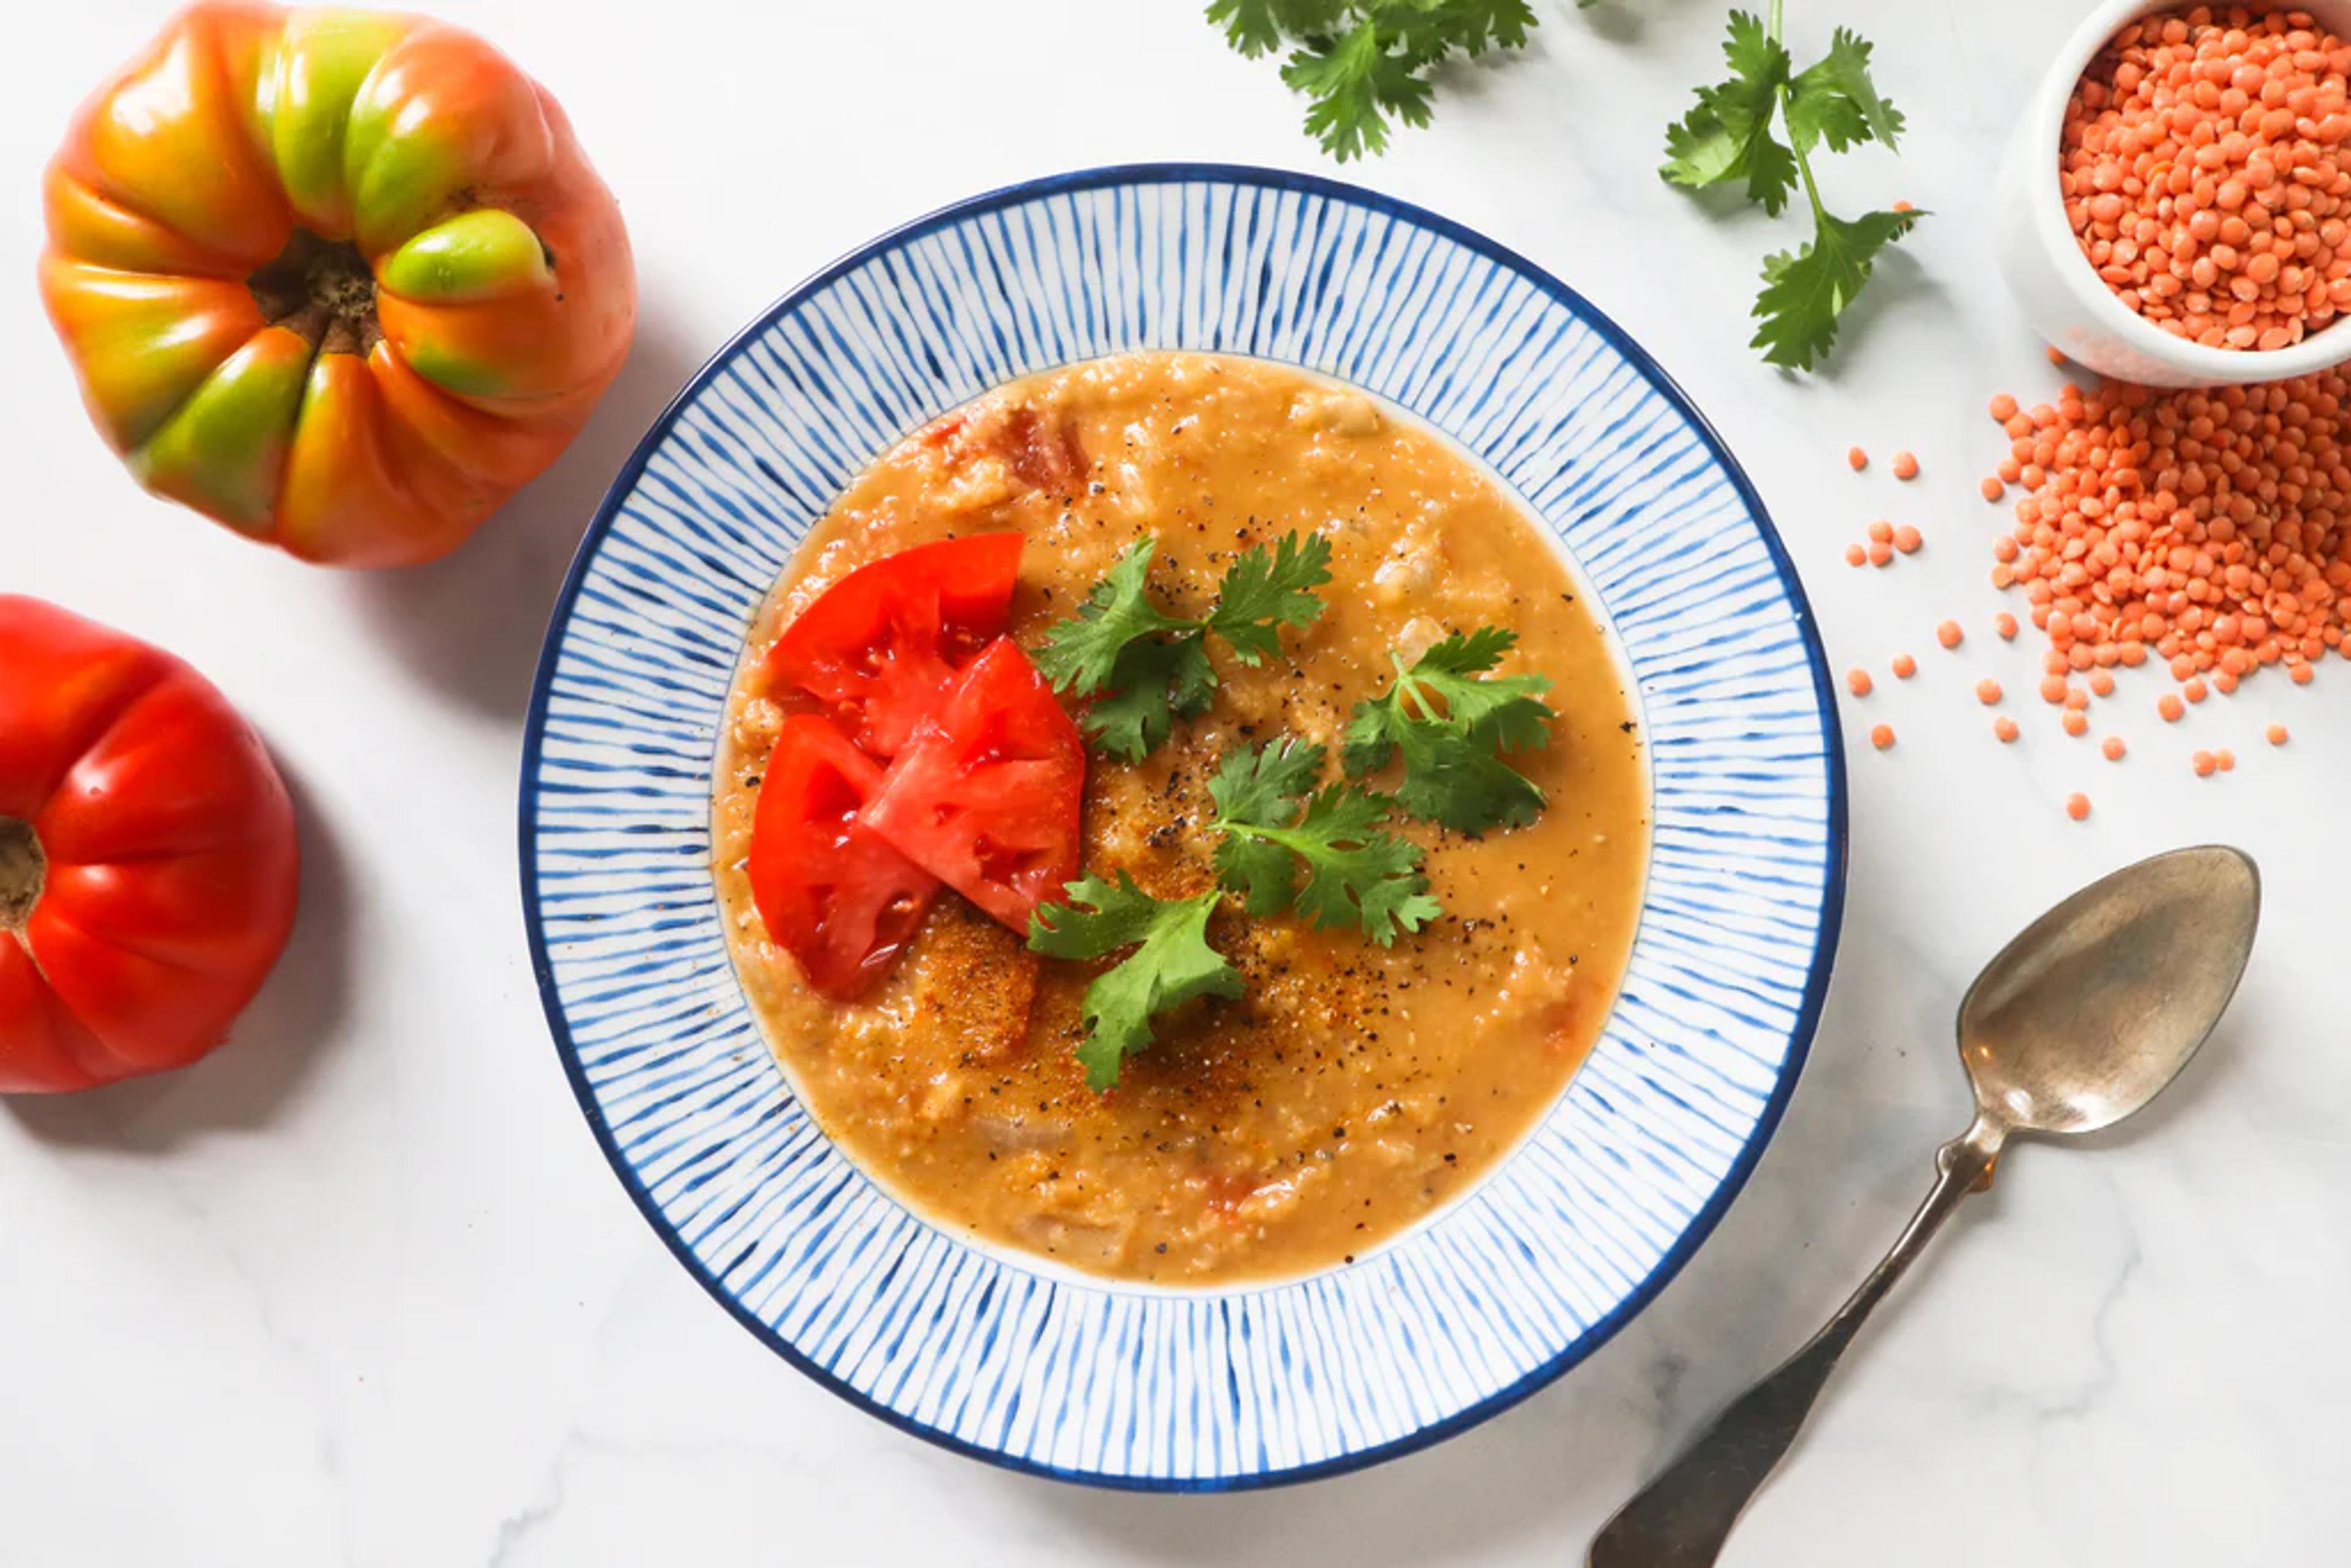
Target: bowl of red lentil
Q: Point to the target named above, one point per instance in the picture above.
(2175, 205)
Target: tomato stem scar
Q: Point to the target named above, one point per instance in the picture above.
(23, 870)
(322, 290)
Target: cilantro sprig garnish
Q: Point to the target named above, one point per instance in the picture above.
(1171, 963)
(1285, 842)
(1273, 819)
(1447, 717)
(1728, 139)
(1361, 63)
(1146, 668)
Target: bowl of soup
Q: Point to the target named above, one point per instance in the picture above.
(1379, 1099)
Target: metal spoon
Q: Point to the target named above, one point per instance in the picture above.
(2080, 1021)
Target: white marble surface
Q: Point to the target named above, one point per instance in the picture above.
(360, 1289)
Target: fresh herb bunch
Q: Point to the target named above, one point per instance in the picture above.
(1358, 62)
(1447, 717)
(1146, 668)
(1728, 139)
(1272, 818)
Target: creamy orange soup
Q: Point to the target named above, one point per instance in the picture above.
(1355, 1089)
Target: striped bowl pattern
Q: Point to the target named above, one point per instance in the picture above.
(1018, 1362)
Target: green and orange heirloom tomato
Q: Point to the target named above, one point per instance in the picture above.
(342, 280)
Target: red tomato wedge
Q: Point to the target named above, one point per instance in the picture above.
(836, 897)
(880, 649)
(985, 796)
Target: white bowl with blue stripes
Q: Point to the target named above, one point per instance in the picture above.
(1027, 1365)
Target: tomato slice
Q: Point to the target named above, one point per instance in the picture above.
(883, 646)
(985, 796)
(836, 897)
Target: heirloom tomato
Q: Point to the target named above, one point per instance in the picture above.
(342, 280)
(147, 855)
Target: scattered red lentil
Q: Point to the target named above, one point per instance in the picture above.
(2077, 806)
(2205, 763)
(1988, 691)
(1854, 555)
(1905, 465)
(2005, 624)
(1881, 532)
(2276, 734)
(1948, 635)
(1908, 540)
(2226, 758)
(1992, 488)
(2194, 690)
(2003, 407)
(1881, 736)
(2077, 699)
(2076, 723)
(1904, 666)
(2056, 354)
(2169, 706)
(2053, 689)
(1856, 681)
(1856, 459)
(1879, 554)
(2300, 674)
(2101, 683)
(2004, 727)
(2113, 747)
(2200, 166)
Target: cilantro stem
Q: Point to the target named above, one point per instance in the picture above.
(1408, 693)
(1298, 843)
(1795, 143)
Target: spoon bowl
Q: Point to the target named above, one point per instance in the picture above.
(2097, 1004)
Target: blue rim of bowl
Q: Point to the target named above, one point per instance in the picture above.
(1823, 958)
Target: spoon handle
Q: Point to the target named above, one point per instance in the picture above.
(1682, 1517)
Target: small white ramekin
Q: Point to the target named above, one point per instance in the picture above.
(2062, 295)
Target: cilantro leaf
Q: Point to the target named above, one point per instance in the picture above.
(1727, 134)
(1805, 291)
(1081, 654)
(1171, 963)
(1835, 101)
(1472, 26)
(1445, 716)
(1352, 82)
(1265, 591)
(1455, 670)
(1356, 875)
(1457, 781)
(1155, 683)
(1252, 26)
(1146, 668)
(1363, 64)
(1260, 787)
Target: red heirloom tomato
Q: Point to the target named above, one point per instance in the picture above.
(987, 795)
(147, 855)
(342, 280)
(833, 895)
(881, 648)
